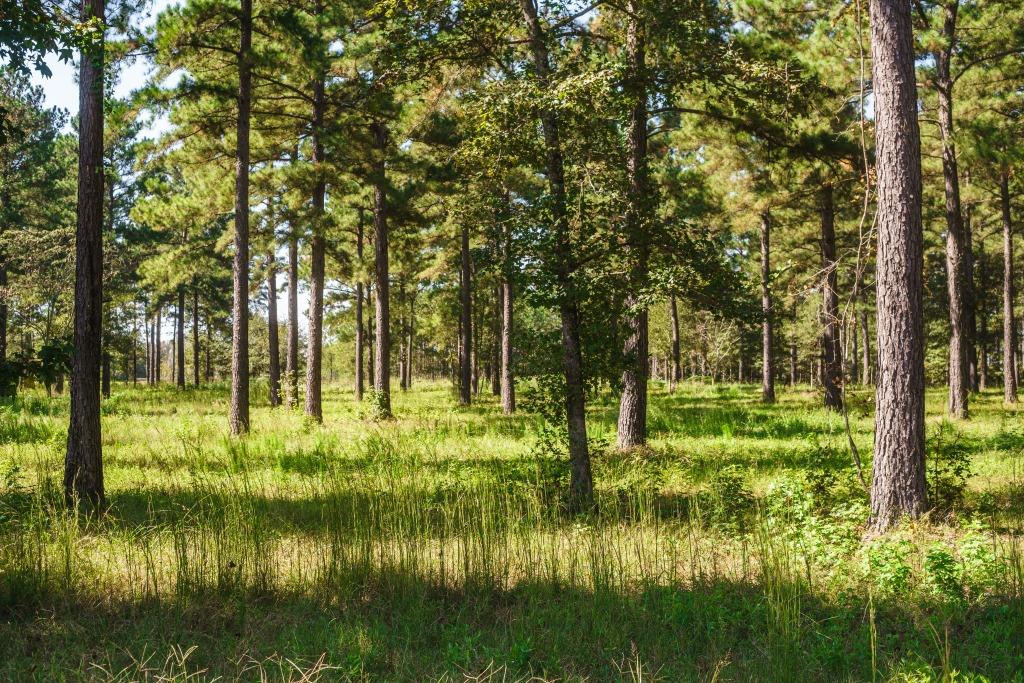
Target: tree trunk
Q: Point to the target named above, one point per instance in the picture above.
(360, 377)
(315, 344)
(496, 344)
(158, 351)
(180, 377)
(898, 481)
(581, 482)
(291, 359)
(83, 464)
(792, 364)
(632, 425)
(209, 346)
(955, 247)
(465, 319)
(272, 341)
(677, 364)
(382, 367)
(865, 350)
(1009, 325)
(508, 387)
(410, 331)
(239, 417)
(767, 341)
(3, 307)
(135, 345)
(195, 335)
(972, 316)
(371, 339)
(832, 375)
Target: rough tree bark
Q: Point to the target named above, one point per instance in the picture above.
(195, 335)
(382, 366)
(180, 339)
(315, 343)
(360, 377)
(955, 247)
(239, 417)
(677, 364)
(291, 357)
(767, 341)
(465, 319)
(1009, 324)
(508, 385)
(158, 346)
(496, 343)
(581, 481)
(972, 316)
(865, 350)
(832, 372)
(3, 307)
(410, 331)
(898, 481)
(273, 343)
(83, 464)
(632, 425)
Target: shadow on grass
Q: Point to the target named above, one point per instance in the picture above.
(395, 626)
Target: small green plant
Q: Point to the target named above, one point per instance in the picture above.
(949, 468)
(942, 572)
(377, 405)
(887, 566)
(731, 499)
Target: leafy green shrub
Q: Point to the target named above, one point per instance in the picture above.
(942, 572)
(886, 563)
(949, 468)
(732, 501)
(376, 405)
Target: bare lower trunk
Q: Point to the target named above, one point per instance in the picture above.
(382, 367)
(195, 336)
(135, 345)
(677, 365)
(632, 427)
(291, 358)
(180, 341)
(360, 377)
(898, 481)
(496, 343)
(209, 346)
(581, 483)
(239, 417)
(371, 339)
(273, 343)
(955, 247)
(767, 355)
(315, 343)
(832, 372)
(410, 332)
(865, 350)
(1009, 324)
(83, 464)
(465, 320)
(158, 349)
(792, 364)
(972, 316)
(508, 387)
(3, 307)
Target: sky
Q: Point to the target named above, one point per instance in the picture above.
(61, 90)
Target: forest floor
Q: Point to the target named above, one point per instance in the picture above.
(435, 547)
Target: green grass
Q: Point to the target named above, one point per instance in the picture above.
(435, 546)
